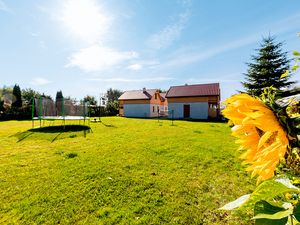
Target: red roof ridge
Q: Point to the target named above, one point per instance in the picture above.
(194, 84)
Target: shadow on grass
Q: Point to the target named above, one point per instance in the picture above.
(198, 131)
(56, 129)
(108, 125)
(54, 133)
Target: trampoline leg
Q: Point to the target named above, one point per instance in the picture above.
(32, 123)
(40, 123)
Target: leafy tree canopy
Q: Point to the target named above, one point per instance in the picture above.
(28, 94)
(91, 99)
(113, 94)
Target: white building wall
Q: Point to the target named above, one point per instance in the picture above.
(163, 110)
(175, 110)
(154, 114)
(137, 110)
(198, 110)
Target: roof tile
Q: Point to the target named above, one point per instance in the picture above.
(137, 94)
(194, 90)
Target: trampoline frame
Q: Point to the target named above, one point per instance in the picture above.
(63, 117)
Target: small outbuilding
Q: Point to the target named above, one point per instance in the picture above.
(142, 103)
(197, 101)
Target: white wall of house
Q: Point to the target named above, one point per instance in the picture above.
(136, 110)
(155, 112)
(163, 110)
(198, 110)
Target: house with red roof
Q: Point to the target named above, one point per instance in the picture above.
(142, 103)
(197, 101)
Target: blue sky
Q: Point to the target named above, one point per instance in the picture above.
(87, 46)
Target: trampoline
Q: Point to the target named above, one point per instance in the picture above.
(45, 109)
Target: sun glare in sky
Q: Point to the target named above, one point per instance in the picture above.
(85, 19)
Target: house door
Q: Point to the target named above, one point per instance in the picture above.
(186, 111)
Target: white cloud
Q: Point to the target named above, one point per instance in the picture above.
(39, 81)
(185, 2)
(196, 54)
(97, 58)
(4, 7)
(85, 19)
(168, 34)
(188, 56)
(136, 80)
(135, 67)
(34, 34)
(42, 44)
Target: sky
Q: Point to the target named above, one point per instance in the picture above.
(87, 46)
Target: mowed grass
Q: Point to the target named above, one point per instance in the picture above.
(122, 171)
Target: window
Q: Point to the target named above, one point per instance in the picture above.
(153, 108)
(157, 108)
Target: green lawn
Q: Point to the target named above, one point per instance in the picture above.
(125, 171)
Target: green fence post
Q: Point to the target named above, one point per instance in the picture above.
(63, 111)
(40, 110)
(32, 112)
(84, 113)
(89, 112)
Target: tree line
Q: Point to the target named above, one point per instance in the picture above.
(16, 103)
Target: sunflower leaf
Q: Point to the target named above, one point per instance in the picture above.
(267, 214)
(295, 67)
(296, 212)
(296, 53)
(268, 190)
(236, 203)
(284, 74)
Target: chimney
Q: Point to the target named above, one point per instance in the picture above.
(144, 89)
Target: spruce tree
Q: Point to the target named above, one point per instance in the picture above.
(59, 95)
(266, 68)
(17, 96)
(58, 102)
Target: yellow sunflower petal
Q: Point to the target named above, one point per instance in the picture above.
(258, 132)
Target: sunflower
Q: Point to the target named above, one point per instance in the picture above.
(259, 133)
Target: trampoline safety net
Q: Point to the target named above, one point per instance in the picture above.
(62, 109)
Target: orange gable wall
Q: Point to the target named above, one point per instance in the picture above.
(158, 100)
(165, 103)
